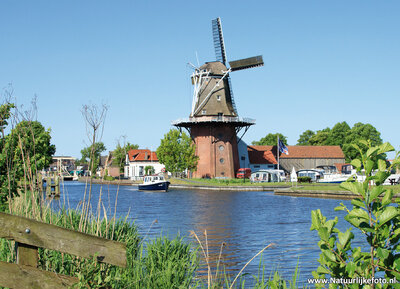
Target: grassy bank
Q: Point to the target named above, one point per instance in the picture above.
(224, 182)
(331, 187)
(247, 183)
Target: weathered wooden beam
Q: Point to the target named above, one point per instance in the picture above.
(27, 255)
(18, 276)
(52, 237)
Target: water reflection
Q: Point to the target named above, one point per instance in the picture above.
(213, 228)
(244, 221)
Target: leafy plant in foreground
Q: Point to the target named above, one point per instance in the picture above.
(378, 220)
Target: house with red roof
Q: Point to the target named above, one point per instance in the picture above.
(299, 157)
(136, 162)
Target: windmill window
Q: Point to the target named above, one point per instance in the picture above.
(221, 160)
(203, 111)
(221, 148)
(218, 97)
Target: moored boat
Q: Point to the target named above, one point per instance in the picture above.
(154, 183)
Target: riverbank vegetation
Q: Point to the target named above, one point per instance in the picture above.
(377, 219)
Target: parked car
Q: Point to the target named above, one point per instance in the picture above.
(243, 173)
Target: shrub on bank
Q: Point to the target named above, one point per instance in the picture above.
(304, 179)
(377, 219)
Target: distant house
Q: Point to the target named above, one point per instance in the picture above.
(106, 167)
(299, 157)
(261, 158)
(137, 160)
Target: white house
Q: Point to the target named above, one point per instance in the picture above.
(138, 160)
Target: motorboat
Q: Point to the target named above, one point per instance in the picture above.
(314, 174)
(154, 183)
(334, 178)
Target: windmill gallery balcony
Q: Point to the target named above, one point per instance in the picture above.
(236, 121)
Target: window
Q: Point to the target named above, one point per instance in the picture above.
(243, 158)
(221, 148)
(203, 111)
(218, 97)
(221, 160)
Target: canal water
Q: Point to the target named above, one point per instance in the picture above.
(242, 222)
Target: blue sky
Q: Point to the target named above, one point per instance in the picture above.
(325, 62)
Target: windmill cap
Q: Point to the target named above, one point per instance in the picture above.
(216, 67)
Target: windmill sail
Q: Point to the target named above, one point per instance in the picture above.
(246, 63)
(220, 53)
(219, 45)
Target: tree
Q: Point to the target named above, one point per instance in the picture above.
(24, 152)
(5, 189)
(338, 134)
(149, 170)
(120, 152)
(305, 137)
(319, 139)
(270, 139)
(177, 152)
(341, 134)
(359, 132)
(92, 155)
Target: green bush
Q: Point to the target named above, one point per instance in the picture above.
(304, 179)
(377, 219)
(109, 178)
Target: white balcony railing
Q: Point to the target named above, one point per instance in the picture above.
(188, 120)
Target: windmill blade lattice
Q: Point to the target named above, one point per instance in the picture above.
(219, 45)
(220, 53)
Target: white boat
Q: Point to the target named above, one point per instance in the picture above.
(334, 178)
(393, 179)
(154, 183)
(314, 174)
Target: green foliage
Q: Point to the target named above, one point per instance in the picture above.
(24, 152)
(304, 179)
(177, 152)
(149, 170)
(109, 178)
(5, 113)
(344, 136)
(270, 139)
(305, 137)
(91, 156)
(119, 154)
(374, 215)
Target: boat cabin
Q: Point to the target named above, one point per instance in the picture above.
(315, 175)
(152, 179)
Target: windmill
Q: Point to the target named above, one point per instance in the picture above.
(214, 123)
(212, 80)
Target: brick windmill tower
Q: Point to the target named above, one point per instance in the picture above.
(214, 123)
